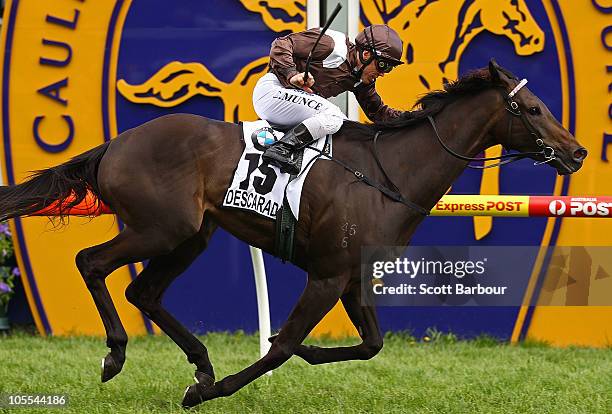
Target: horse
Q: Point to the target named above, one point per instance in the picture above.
(166, 180)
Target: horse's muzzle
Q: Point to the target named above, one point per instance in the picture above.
(580, 154)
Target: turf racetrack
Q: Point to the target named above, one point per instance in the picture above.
(436, 376)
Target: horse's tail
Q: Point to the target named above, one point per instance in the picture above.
(62, 187)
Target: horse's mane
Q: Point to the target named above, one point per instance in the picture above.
(433, 102)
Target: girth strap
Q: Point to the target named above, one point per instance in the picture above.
(284, 237)
(393, 195)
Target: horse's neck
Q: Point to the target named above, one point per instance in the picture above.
(464, 126)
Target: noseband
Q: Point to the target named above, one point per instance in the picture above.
(513, 107)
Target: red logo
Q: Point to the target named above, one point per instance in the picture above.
(557, 207)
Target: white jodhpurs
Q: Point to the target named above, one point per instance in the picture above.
(288, 107)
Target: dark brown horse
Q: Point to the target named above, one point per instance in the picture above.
(166, 181)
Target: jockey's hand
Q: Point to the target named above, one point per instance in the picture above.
(297, 80)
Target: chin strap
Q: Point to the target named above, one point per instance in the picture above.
(372, 49)
(358, 72)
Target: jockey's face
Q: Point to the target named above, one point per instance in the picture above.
(370, 72)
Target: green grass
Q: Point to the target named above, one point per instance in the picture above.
(442, 375)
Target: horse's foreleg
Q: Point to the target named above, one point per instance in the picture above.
(95, 264)
(365, 320)
(318, 298)
(146, 291)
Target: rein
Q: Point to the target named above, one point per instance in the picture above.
(394, 192)
(513, 107)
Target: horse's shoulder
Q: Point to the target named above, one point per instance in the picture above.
(355, 131)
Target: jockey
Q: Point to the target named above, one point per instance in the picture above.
(283, 98)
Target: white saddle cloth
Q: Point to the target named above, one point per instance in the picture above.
(259, 187)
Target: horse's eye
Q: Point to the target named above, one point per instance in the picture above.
(534, 110)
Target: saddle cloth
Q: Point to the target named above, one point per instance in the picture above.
(259, 187)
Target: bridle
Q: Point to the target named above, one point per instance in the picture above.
(513, 107)
(394, 192)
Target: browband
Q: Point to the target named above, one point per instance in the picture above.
(518, 88)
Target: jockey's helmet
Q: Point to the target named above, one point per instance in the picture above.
(383, 42)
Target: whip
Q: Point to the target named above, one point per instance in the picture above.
(329, 21)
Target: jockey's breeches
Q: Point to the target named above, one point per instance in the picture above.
(288, 107)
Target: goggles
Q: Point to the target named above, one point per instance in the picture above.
(384, 66)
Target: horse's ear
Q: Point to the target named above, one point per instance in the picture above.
(494, 70)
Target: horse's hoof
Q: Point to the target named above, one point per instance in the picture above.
(204, 379)
(196, 394)
(110, 367)
(191, 398)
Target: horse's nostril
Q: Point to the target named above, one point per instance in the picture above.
(580, 154)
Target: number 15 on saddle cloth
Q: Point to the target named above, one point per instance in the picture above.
(259, 187)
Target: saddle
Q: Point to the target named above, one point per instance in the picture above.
(264, 190)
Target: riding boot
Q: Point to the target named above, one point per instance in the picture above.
(281, 153)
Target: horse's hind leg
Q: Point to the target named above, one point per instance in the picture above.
(146, 291)
(318, 298)
(365, 320)
(95, 264)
